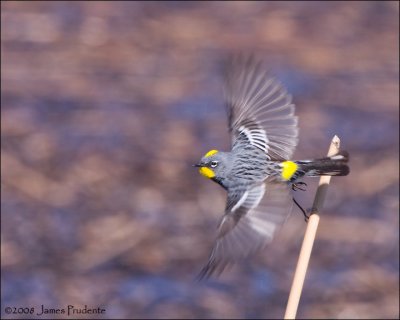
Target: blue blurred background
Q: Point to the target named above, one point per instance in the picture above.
(105, 106)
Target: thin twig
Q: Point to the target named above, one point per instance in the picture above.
(306, 248)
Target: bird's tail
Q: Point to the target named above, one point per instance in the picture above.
(329, 166)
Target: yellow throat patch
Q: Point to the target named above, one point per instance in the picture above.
(207, 172)
(288, 170)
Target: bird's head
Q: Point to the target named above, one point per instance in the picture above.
(213, 165)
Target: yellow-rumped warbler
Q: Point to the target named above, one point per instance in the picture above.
(256, 173)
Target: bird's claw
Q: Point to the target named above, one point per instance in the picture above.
(299, 186)
(306, 216)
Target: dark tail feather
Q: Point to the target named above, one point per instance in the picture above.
(329, 166)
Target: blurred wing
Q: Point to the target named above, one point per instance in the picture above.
(260, 111)
(250, 222)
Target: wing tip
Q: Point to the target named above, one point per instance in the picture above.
(212, 268)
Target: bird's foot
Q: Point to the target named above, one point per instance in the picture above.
(299, 186)
(306, 216)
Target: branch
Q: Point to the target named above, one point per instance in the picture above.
(306, 248)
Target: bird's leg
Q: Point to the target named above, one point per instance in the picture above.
(296, 186)
(302, 187)
(306, 216)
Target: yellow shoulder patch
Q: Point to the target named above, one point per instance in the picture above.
(207, 172)
(289, 168)
(211, 153)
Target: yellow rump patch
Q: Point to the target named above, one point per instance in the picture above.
(207, 172)
(210, 153)
(289, 168)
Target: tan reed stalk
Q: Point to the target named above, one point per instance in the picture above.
(306, 248)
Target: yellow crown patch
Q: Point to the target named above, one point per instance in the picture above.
(211, 153)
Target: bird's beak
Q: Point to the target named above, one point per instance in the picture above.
(199, 165)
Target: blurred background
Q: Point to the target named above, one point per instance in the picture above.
(106, 105)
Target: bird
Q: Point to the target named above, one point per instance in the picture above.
(257, 173)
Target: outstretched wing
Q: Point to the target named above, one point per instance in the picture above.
(260, 111)
(251, 219)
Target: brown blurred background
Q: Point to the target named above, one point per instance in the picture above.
(105, 106)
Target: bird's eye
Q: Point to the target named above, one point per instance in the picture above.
(214, 164)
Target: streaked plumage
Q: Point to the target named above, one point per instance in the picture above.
(256, 173)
